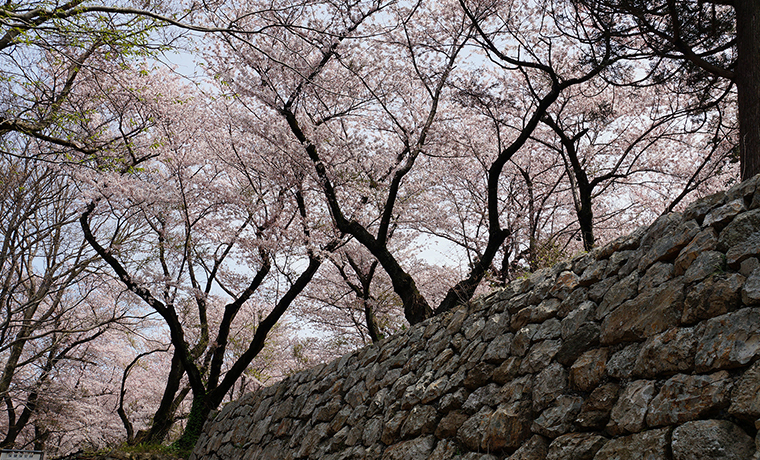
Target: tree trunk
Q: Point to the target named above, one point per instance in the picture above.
(15, 429)
(463, 291)
(372, 329)
(163, 419)
(199, 412)
(748, 84)
(586, 221)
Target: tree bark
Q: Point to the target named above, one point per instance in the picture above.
(748, 84)
(163, 419)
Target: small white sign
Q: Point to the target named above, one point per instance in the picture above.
(21, 454)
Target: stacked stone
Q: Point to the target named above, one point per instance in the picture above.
(646, 348)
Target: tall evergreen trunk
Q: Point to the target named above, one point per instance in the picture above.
(748, 84)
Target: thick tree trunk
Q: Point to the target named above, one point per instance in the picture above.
(463, 291)
(199, 412)
(369, 316)
(748, 84)
(163, 419)
(15, 429)
(416, 308)
(586, 219)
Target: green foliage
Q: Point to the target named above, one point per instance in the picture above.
(195, 420)
(547, 254)
(151, 448)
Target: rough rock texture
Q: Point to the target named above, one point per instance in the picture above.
(115, 455)
(646, 348)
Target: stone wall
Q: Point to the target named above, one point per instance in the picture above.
(646, 348)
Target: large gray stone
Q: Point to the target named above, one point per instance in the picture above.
(743, 190)
(589, 369)
(435, 390)
(572, 301)
(751, 288)
(656, 275)
(715, 296)
(585, 337)
(706, 264)
(722, 215)
(647, 445)
(598, 291)
(688, 397)
(472, 431)
(496, 325)
(661, 227)
(483, 396)
(393, 426)
(667, 246)
(507, 371)
(593, 273)
(312, 439)
(729, 341)
(453, 400)
(629, 413)
(558, 419)
(711, 439)
(523, 339)
(738, 253)
(450, 424)
(648, 314)
(595, 412)
(549, 384)
(622, 243)
(444, 450)
(414, 449)
(550, 329)
(574, 319)
(519, 389)
(706, 240)
(373, 430)
(698, 209)
(564, 285)
(535, 313)
(667, 353)
(621, 363)
(479, 375)
(739, 230)
(575, 446)
(624, 289)
(508, 428)
(745, 398)
(616, 261)
(534, 448)
(540, 355)
(421, 421)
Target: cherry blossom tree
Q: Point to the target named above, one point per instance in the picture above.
(710, 47)
(313, 80)
(49, 49)
(628, 136)
(54, 297)
(205, 228)
(307, 55)
(336, 138)
(352, 302)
